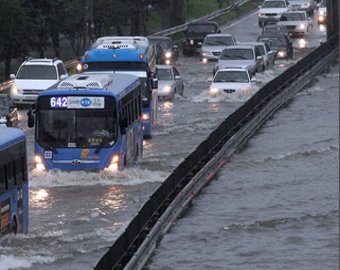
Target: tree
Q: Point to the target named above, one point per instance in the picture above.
(15, 33)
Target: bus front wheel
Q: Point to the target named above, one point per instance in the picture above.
(14, 226)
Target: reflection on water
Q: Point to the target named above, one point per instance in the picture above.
(114, 198)
(40, 199)
(322, 28)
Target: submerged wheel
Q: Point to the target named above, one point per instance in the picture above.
(14, 226)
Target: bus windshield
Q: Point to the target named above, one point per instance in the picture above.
(76, 128)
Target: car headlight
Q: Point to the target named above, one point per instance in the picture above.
(167, 88)
(282, 53)
(245, 89)
(301, 26)
(302, 43)
(321, 13)
(204, 53)
(191, 41)
(213, 91)
(168, 55)
(15, 89)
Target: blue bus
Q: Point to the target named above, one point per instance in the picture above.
(13, 182)
(131, 55)
(88, 122)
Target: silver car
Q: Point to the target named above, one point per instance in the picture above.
(213, 44)
(247, 56)
(305, 5)
(170, 82)
(267, 53)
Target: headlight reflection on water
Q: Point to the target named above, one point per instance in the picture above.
(40, 198)
(114, 198)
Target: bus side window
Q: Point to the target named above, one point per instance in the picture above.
(10, 170)
(2, 179)
(19, 169)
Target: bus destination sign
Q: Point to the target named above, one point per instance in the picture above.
(75, 102)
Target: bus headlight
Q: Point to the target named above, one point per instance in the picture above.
(39, 165)
(191, 42)
(145, 116)
(114, 164)
(79, 68)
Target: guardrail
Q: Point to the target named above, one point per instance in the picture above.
(180, 28)
(133, 248)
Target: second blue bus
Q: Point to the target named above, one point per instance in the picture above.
(88, 122)
(130, 55)
(14, 194)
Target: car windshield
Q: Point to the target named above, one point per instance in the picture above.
(293, 17)
(273, 4)
(199, 28)
(231, 76)
(274, 29)
(37, 72)
(218, 41)
(235, 54)
(164, 74)
(274, 42)
(165, 44)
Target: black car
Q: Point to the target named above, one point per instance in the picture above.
(280, 43)
(166, 51)
(8, 112)
(195, 34)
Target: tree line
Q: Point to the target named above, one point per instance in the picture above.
(28, 26)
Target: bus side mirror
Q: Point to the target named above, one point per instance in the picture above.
(30, 116)
(30, 119)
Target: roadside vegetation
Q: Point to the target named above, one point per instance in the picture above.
(65, 28)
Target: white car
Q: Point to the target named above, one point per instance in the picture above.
(297, 22)
(35, 76)
(170, 82)
(213, 44)
(270, 11)
(321, 15)
(232, 80)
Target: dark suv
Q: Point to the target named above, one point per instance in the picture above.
(195, 34)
